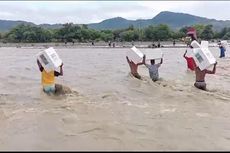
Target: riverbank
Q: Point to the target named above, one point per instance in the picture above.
(97, 45)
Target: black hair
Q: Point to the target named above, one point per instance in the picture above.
(152, 61)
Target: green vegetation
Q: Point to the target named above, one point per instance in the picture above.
(81, 33)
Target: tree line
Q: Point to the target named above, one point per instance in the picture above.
(81, 33)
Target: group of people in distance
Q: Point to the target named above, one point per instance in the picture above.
(154, 75)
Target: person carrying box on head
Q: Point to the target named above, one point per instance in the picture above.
(153, 68)
(48, 61)
(134, 67)
(48, 78)
(204, 59)
(134, 58)
(200, 77)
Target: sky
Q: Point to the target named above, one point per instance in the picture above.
(84, 12)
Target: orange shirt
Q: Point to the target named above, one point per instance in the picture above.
(48, 78)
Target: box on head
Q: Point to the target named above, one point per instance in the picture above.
(155, 53)
(136, 55)
(202, 55)
(204, 44)
(49, 59)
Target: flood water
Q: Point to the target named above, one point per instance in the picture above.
(112, 110)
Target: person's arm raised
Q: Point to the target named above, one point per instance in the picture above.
(61, 69)
(39, 66)
(161, 61)
(213, 71)
(59, 73)
(185, 53)
(143, 61)
(127, 59)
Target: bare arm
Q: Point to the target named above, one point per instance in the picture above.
(59, 73)
(143, 61)
(185, 53)
(213, 71)
(40, 66)
(161, 61)
(127, 59)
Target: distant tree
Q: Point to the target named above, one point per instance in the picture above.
(184, 30)
(162, 32)
(116, 34)
(130, 35)
(150, 33)
(199, 29)
(226, 36)
(177, 35)
(107, 36)
(73, 32)
(131, 27)
(94, 35)
(84, 26)
(207, 33)
(223, 32)
(28, 33)
(159, 32)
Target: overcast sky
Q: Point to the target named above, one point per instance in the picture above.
(85, 12)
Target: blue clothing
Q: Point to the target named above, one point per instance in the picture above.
(222, 52)
(49, 89)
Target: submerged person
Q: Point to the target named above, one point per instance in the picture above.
(153, 68)
(174, 42)
(134, 67)
(159, 44)
(132, 43)
(222, 51)
(48, 79)
(200, 77)
(190, 62)
(109, 43)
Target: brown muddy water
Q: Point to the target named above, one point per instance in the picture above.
(112, 110)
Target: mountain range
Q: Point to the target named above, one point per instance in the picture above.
(172, 19)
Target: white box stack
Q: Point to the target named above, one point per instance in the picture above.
(204, 44)
(195, 44)
(153, 54)
(202, 56)
(135, 55)
(49, 59)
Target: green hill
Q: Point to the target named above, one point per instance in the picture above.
(172, 19)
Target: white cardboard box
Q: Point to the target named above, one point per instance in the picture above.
(49, 59)
(204, 44)
(195, 44)
(203, 58)
(153, 54)
(135, 55)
